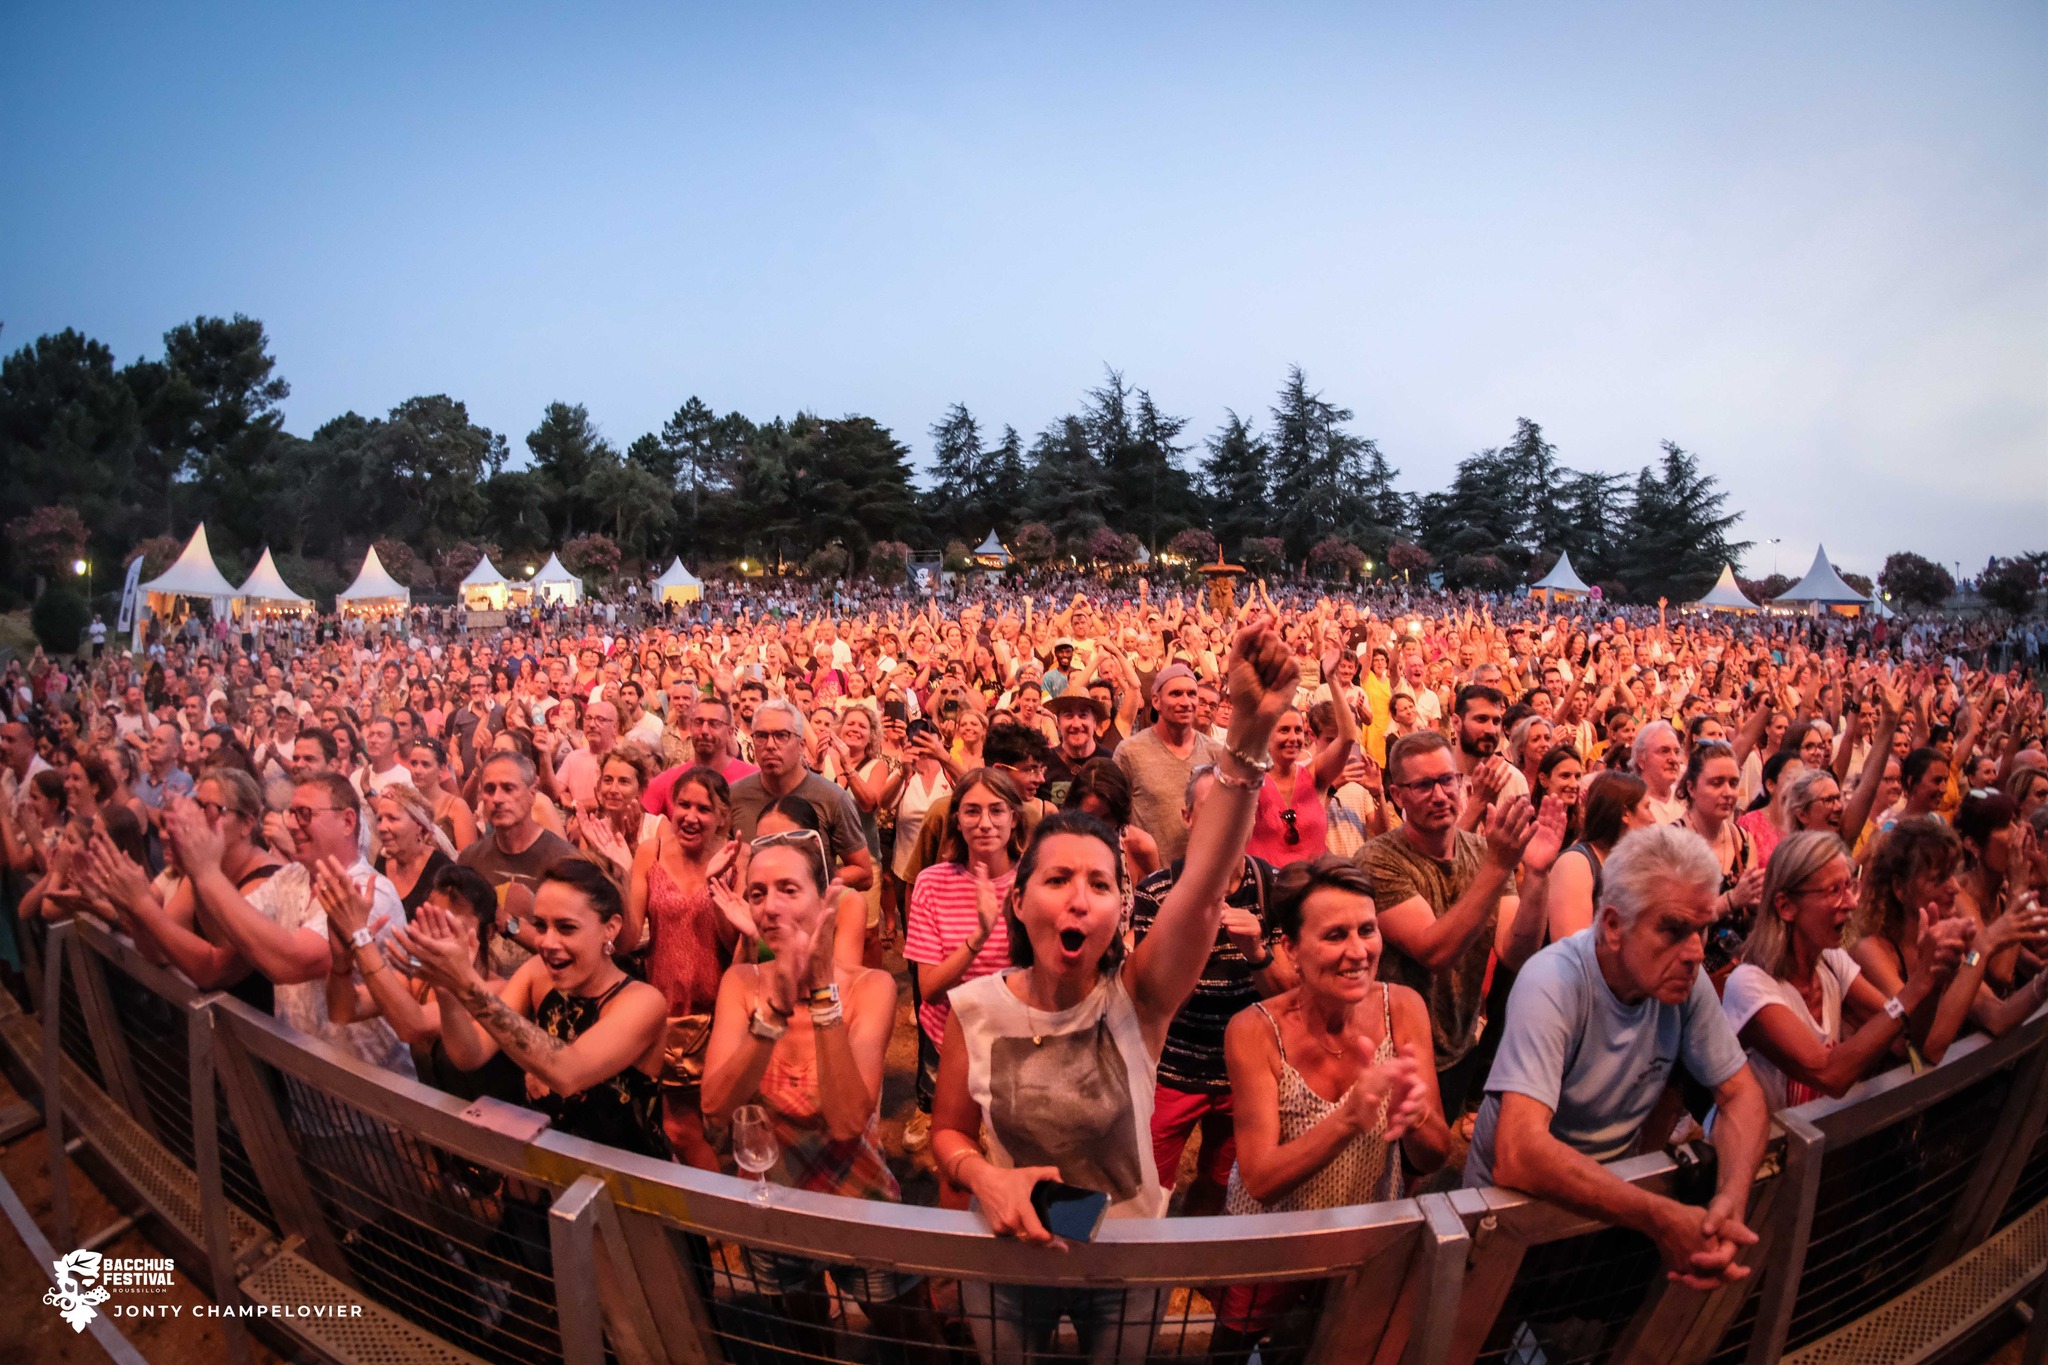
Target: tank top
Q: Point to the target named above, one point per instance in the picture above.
(1593, 861)
(623, 1110)
(1311, 821)
(682, 960)
(811, 1159)
(1071, 1089)
(1364, 1170)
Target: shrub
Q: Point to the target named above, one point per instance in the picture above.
(59, 617)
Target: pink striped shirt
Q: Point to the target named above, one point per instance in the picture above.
(942, 917)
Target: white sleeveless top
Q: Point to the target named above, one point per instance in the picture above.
(1079, 1098)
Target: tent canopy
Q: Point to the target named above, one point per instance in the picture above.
(678, 584)
(373, 584)
(194, 574)
(556, 583)
(1562, 579)
(267, 585)
(484, 575)
(1726, 594)
(992, 548)
(1822, 587)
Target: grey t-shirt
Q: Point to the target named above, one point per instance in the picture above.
(1598, 1064)
(837, 814)
(1159, 786)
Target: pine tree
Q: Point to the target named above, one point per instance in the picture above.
(1318, 469)
(959, 495)
(1675, 538)
(1007, 482)
(1068, 490)
(1169, 494)
(1235, 472)
(1542, 485)
(688, 437)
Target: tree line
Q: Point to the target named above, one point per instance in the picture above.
(97, 458)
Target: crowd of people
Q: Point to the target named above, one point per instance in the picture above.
(1355, 896)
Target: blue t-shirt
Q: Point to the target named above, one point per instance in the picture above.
(1597, 1064)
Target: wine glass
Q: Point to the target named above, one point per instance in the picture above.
(754, 1148)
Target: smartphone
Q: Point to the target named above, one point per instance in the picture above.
(895, 710)
(1067, 1211)
(920, 726)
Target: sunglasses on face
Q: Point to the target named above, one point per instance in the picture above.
(1293, 829)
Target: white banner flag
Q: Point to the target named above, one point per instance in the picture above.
(129, 594)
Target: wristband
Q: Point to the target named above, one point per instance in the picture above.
(766, 1026)
(362, 938)
(824, 1003)
(1972, 958)
(1893, 1008)
(1259, 964)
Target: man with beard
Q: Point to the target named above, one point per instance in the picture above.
(1447, 900)
(1160, 759)
(1078, 714)
(1490, 780)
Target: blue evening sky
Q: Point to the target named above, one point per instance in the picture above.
(1808, 242)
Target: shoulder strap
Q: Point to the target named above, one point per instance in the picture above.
(1278, 1040)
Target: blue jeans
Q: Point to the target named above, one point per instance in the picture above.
(1015, 1324)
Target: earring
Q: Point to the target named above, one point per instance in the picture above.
(607, 947)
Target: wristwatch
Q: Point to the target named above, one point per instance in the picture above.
(1259, 964)
(1972, 958)
(510, 929)
(362, 938)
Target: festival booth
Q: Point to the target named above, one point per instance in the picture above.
(267, 594)
(485, 589)
(678, 584)
(192, 575)
(990, 554)
(556, 584)
(1562, 583)
(1725, 595)
(374, 593)
(1821, 591)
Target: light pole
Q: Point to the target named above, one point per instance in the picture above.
(83, 568)
(1774, 556)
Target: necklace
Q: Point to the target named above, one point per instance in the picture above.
(1031, 1022)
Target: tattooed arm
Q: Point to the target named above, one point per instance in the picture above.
(477, 1021)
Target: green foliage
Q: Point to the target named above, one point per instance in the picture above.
(1407, 558)
(1915, 582)
(1034, 544)
(1068, 489)
(827, 563)
(591, 556)
(2010, 584)
(1263, 554)
(1194, 545)
(68, 429)
(1235, 471)
(888, 562)
(59, 616)
(49, 540)
(1337, 559)
(1675, 538)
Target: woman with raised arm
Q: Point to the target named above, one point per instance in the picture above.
(1913, 869)
(1708, 789)
(803, 1036)
(1813, 1023)
(1048, 1070)
(588, 1037)
(362, 984)
(1612, 806)
(1293, 821)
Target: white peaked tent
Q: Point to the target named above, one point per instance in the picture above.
(1822, 590)
(485, 589)
(557, 584)
(193, 575)
(266, 589)
(374, 590)
(991, 551)
(1562, 581)
(1725, 595)
(678, 584)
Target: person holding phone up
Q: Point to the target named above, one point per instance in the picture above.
(1048, 1070)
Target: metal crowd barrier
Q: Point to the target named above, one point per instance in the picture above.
(287, 1175)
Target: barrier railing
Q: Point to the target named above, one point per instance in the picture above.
(294, 1174)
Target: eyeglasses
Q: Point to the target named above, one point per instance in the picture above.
(774, 736)
(1423, 786)
(304, 814)
(1293, 830)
